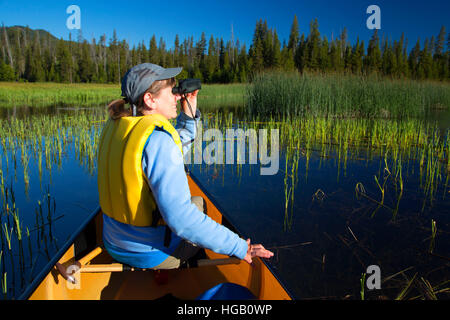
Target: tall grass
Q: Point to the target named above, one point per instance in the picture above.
(87, 95)
(47, 94)
(293, 94)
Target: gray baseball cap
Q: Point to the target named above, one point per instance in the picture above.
(139, 78)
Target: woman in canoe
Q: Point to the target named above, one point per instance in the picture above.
(150, 220)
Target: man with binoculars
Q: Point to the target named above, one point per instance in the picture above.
(150, 220)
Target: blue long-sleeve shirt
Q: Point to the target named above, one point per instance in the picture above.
(162, 164)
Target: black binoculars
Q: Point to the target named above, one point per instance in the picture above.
(187, 86)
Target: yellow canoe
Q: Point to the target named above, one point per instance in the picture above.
(96, 276)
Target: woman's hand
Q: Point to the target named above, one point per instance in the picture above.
(192, 98)
(256, 250)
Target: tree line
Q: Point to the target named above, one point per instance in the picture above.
(37, 56)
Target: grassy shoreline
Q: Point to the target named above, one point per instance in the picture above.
(273, 94)
(46, 94)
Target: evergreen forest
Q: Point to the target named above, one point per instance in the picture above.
(37, 56)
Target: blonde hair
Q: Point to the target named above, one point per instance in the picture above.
(116, 108)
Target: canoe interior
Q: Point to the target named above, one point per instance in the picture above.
(141, 285)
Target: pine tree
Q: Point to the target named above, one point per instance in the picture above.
(113, 66)
(243, 65)
(256, 49)
(200, 63)
(288, 63)
(447, 67)
(86, 72)
(64, 62)
(439, 57)
(357, 56)
(201, 46)
(372, 62)
(348, 59)
(324, 57)
(6, 72)
(124, 63)
(300, 54)
(276, 60)
(210, 63)
(388, 64)
(153, 51)
(49, 66)
(163, 61)
(400, 57)
(268, 49)
(313, 46)
(176, 51)
(102, 74)
(413, 59)
(343, 40)
(294, 36)
(425, 64)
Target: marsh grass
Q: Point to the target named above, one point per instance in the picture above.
(46, 94)
(213, 96)
(89, 95)
(292, 94)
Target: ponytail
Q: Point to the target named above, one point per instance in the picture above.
(116, 109)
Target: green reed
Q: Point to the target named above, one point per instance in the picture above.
(4, 285)
(86, 95)
(292, 94)
(46, 94)
(363, 285)
(405, 290)
(433, 236)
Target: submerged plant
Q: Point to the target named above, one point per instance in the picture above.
(363, 285)
(433, 236)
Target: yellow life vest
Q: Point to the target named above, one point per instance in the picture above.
(124, 192)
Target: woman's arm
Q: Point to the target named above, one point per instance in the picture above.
(163, 165)
(187, 129)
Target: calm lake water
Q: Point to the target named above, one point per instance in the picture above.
(323, 237)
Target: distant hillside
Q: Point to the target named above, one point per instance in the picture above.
(21, 32)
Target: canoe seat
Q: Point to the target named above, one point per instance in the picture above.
(85, 266)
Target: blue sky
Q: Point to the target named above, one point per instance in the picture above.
(137, 21)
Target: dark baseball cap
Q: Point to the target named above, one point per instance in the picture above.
(139, 78)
